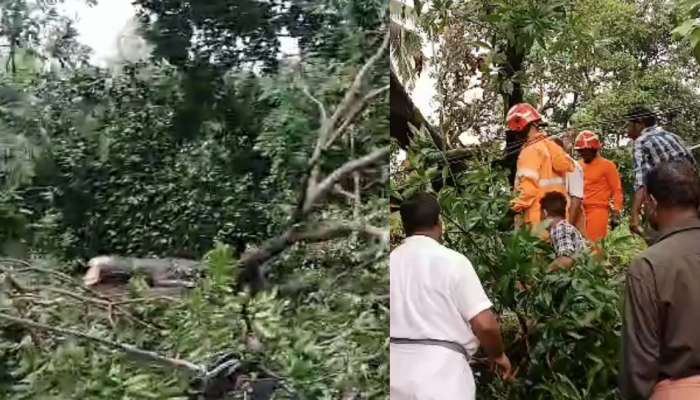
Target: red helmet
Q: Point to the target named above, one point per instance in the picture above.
(520, 116)
(587, 140)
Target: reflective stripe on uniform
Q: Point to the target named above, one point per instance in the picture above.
(528, 173)
(551, 182)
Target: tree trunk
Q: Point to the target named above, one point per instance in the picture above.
(403, 112)
(514, 142)
(165, 272)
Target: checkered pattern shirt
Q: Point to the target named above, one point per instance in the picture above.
(654, 146)
(566, 239)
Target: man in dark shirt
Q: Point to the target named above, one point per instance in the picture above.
(661, 333)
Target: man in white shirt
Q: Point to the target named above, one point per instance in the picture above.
(574, 188)
(439, 313)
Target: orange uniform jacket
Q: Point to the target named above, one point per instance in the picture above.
(601, 183)
(542, 168)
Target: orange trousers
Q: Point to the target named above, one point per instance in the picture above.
(679, 389)
(597, 223)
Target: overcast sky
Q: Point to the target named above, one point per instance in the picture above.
(100, 26)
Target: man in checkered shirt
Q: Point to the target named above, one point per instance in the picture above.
(652, 145)
(566, 239)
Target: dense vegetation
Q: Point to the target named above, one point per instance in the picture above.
(272, 170)
(555, 324)
(582, 63)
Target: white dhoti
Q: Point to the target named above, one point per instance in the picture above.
(425, 372)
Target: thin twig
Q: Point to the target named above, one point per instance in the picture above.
(146, 299)
(356, 180)
(319, 104)
(76, 296)
(337, 189)
(126, 348)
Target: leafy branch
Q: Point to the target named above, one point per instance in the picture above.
(314, 188)
(128, 349)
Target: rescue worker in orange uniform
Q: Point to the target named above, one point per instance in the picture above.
(542, 164)
(601, 185)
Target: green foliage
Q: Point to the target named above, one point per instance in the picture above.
(689, 30)
(186, 196)
(336, 329)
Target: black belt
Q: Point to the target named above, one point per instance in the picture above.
(454, 346)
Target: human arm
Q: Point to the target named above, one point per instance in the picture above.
(639, 168)
(640, 334)
(615, 183)
(527, 178)
(487, 329)
(561, 262)
(562, 162)
(635, 219)
(574, 209)
(475, 308)
(565, 240)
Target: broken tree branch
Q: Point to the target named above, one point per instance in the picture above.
(276, 245)
(310, 179)
(353, 93)
(101, 302)
(128, 349)
(322, 188)
(351, 97)
(353, 113)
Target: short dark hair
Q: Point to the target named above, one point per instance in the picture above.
(674, 184)
(558, 141)
(554, 203)
(642, 114)
(420, 211)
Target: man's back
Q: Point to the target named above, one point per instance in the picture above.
(434, 293)
(663, 283)
(654, 146)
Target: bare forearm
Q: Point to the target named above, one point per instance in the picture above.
(574, 210)
(488, 331)
(637, 206)
(561, 262)
(492, 343)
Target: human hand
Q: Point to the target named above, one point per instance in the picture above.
(502, 366)
(636, 229)
(614, 219)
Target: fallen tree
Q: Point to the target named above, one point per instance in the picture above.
(107, 271)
